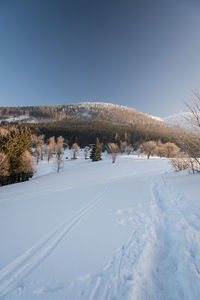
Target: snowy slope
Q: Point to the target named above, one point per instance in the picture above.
(129, 230)
(182, 120)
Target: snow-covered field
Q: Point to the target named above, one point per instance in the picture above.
(129, 230)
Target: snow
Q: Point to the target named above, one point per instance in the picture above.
(97, 230)
(156, 118)
(14, 119)
(102, 105)
(182, 120)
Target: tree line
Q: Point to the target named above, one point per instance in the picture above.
(17, 145)
(85, 133)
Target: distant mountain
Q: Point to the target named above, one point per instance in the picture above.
(182, 120)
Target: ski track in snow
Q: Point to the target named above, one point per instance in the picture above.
(15, 272)
(159, 244)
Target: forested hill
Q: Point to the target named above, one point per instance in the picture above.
(86, 121)
(82, 112)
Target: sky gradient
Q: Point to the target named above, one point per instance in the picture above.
(143, 54)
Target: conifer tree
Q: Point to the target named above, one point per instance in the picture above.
(14, 144)
(96, 151)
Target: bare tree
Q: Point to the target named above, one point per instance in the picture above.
(38, 144)
(190, 144)
(34, 139)
(26, 163)
(41, 145)
(59, 152)
(123, 146)
(38, 153)
(113, 150)
(167, 149)
(74, 149)
(149, 148)
(4, 165)
(170, 150)
(86, 152)
(181, 163)
(194, 107)
(51, 148)
(3, 131)
(160, 149)
(129, 149)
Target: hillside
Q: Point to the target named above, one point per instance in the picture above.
(92, 111)
(80, 112)
(84, 122)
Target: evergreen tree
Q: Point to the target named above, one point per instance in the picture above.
(14, 144)
(96, 151)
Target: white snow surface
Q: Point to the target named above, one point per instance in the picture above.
(14, 119)
(97, 230)
(182, 120)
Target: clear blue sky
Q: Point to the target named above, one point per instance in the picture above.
(144, 54)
